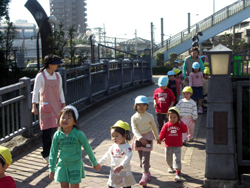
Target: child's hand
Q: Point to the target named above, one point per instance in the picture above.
(193, 120)
(158, 141)
(118, 169)
(154, 105)
(97, 167)
(179, 122)
(143, 141)
(51, 175)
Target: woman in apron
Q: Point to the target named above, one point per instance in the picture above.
(48, 84)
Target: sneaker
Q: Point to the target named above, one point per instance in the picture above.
(143, 181)
(184, 143)
(148, 176)
(190, 140)
(46, 159)
(177, 178)
(170, 170)
(200, 111)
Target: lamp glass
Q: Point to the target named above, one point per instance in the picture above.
(219, 64)
(88, 33)
(52, 19)
(147, 52)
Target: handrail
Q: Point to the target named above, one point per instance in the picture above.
(201, 26)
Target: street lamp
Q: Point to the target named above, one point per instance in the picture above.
(51, 19)
(220, 141)
(89, 34)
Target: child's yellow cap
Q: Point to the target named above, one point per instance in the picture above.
(177, 71)
(121, 124)
(187, 89)
(206, 70)
(5, 155)
(206, 64)
(175, 109)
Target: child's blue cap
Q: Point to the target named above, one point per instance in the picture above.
(202, 56)
(171, 73)
(195, 65)
(176, 62)
(141, 99)
(163, 81)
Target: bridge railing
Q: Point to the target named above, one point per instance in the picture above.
(80, 85)
(200, 26)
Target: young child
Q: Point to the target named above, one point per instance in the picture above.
(188, 113)
(163, 100)
(206, 64)
(206, 74)
(143, 124)
(178, 81)
(202, 57)
(120, 154)
(172, 132)
(5, 160)
(196, 82)
(176, 66)
(172, 83)
(69, 169)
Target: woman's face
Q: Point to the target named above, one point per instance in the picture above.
(53, 67)
(194, 54)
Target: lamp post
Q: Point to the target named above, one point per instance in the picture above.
(51, 19)
(220, 142)
(89, 34)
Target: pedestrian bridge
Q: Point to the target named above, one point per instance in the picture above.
(210, 26)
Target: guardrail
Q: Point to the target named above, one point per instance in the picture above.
(80, 84)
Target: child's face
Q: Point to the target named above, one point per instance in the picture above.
(178, 76)
(194, 54)
(206, 76)
(173, 118)
(2, 169)
(203, 59)
(171, 77)
(196, 70)
(67, 121)
(186, 95)
(164, 87)
(141, 108)
(176, 65)
(117, 137)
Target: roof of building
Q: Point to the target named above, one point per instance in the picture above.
(133, 41)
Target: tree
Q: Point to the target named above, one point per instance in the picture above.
(172, 58)
(160, 59)
(4, 9)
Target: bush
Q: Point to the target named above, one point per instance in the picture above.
(161, 70)
(160, 59)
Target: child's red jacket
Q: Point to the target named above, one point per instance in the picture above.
(173, 134)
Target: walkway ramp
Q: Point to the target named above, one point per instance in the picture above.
(210, 26)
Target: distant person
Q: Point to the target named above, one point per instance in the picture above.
(176, 66)
(68, 169)
(202, 57)
(163, 100)
(119, 156)
(172, 84)
(188, 113)
(5, 162)
(172, 133)
(178, 81)
(196, 83)
(205, 54)
(206, 74)
(48, 87)
(187, 66)
(143, 124)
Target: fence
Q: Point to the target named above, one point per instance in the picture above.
(79, 84)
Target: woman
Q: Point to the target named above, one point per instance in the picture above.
(49, 84)
(187, 66)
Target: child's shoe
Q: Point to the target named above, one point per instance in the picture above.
(190, 140)
(46, 159)
(200, 111)
(184, 143)
(148, 176)
(177, 178)
(144, 180)
(170, 170)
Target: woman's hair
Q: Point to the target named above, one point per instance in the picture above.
(68, 111)
(135, 107)
(2, 161)
(198, 71)
(194, 49)
(173, 112)
(123, 132)
(48, 59)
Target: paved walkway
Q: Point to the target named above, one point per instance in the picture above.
(29, 169)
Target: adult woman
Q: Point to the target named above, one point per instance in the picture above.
(49, 84)
(187, 66)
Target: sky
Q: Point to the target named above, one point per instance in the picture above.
(121, 18)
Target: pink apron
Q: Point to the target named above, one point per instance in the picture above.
(50, 104)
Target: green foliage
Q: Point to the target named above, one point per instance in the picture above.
(4, 9)
(161, 70)
(132, 56)
(119, 55)
(172, 58)
(143, 55)
(160, 59)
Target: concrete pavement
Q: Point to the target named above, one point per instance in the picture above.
(29, 169)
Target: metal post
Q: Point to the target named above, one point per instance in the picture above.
(115, 46)
(162, 35)
(106, 76)
(25, 108)
(188, 22)
(98, 49)
(120, 65)
(132, 71)
(152, 38)
(87, 82)
(141, 62)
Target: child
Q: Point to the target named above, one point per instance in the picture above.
(202, 57)
(172, 133)
(143, 124)
(172, 83)
(163, 100)
(188, 113)
(120, 154)
(69, 169)
(176, 66)
(5, 160)
(196, 82)
(206, 64)
(206, 74)
(178, 83)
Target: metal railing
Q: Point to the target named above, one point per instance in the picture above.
(201, 26)
(80, 84)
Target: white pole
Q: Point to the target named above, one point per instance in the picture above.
(213, 6)
(135, 41)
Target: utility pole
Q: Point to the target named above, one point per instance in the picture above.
(162, 35)
(189, 22)
(136, 42)
(152, 39)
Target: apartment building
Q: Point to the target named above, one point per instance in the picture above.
(71, 12)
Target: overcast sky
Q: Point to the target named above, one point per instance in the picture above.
(121, 18)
